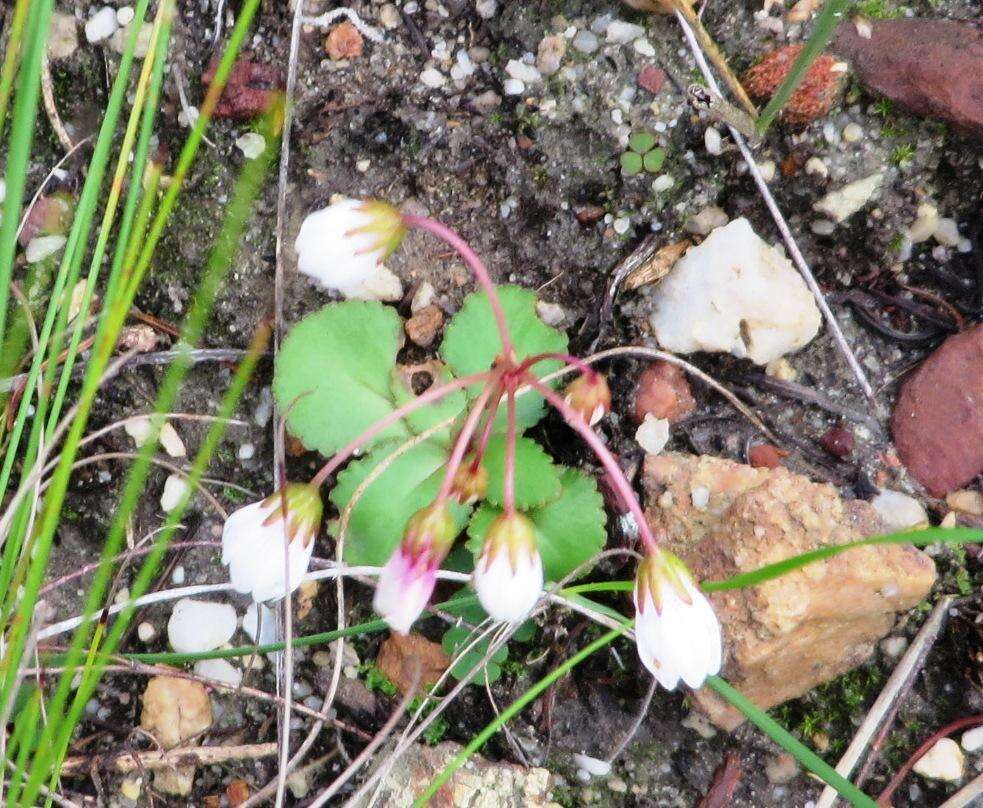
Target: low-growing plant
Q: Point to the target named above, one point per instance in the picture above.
(642, 155)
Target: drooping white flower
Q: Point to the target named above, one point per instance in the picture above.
(509, 574)
(408, 578)
(342, 245)
(253, 541)
(676, 630)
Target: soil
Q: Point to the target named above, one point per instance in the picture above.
(512, 179)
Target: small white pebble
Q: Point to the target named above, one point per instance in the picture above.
(644, 47)
(700, 496)
(124, 15)
(246, 452)
(251, 144)
(528, 74)
(894, 647)
(433, 78)
(621, 33)
(139, 429)
(592, 766)
(101, 25)
(513, 87)
(178, 576)
(712, 140)
(621, 225)
(823, 227)
(944, 761)
(662, 183)
(175, 487)
(220, 670)
(899, 511)
(170, 441)
(585, 42)
(815, 165)
(200, 625)
(972, 740)
(947, 232)
(550, 313)
(767, 169)
(853, 132)
(42, 247)
(146, 632)
(653, 434)
(422, 297)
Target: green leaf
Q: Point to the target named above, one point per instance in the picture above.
(631, 163)
(654, 160)
(332, 376)
(569, 530)
(641, 142)
(426, 417)
(458, 638)
(471, 343)
(536, 478)
(379, 517)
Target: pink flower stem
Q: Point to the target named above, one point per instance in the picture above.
(476, 265)
(580, 364)
(508, 489)
(618, 480)
(463, 441)
(428, 396)
(479, 450)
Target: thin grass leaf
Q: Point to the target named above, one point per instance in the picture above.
(9, 71)
(826, 24)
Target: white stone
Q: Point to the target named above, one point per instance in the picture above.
(221, 670)
(251, 144)
(899, 511)
(894, 647)
(853, 132)
(42, 247)
(815, 165)
(63, 39)
(513, 87)
(653, 434)
(422, 297)
(528, 74)
(593, 766)
(721, 297)
(550, 313)
(972, 740)
(101, 25)
(124, 15)
(947, 232)
(841, 204)
(644, 47)
(431, 77)
(707, 220)
(621, 225)
(200, 625)
(926, 220)
(383, 285)
(120, 39)
(260, 626)
(944, 761)
(175, 487)
(586, 42)
(549, 55)
(177, 577)
(713, 141)
(246, 452)
(463, 66)
(662, 183)
(823, 227)
(146, 632)
(389, 17)
(767, 169)
(700, 497)
(486, 8)
(621, 32)
(139, 429)
(171, 441)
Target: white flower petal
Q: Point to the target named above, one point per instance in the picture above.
(508, 594)
(402, 592)
(330, 249)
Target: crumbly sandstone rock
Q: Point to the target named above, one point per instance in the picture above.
(788, 635)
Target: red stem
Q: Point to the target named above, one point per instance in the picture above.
(428, 396)
(508, 489)
(567, 359)
(476, 265)
(618, 480)
(971, 721)
(462, 442)
(479, 451)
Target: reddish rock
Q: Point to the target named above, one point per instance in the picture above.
(50, 215)
(344, 42)
(815, 95)
(250, 90)
(590, 214)
(422, 328)
(765, 456)
(938, 420)
(663, 392)
(929, 67)
(652, 78)
(838, 441)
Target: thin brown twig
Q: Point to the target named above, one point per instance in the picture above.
(125, 762)
(51, 109)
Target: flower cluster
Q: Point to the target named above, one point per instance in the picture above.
(267, 545)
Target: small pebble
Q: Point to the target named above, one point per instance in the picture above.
(621, 33)
(823, 227)
(852, 133)
(130, 788)
(528, 74)
(815, 165)
(838, 441)
(712, 140)
(621, 225)
(42, 247)
(893, 647)
(513, 87)
(124, 15)
(550, 313)
(767, 169)
(651, 79)
(175, 487)
(662, 183)
(433, 78)
(700, 724)
(899, 511)
(251, 144)
(389, 17)
(200, 625)
(101, 25)
(972, 740)
(653, 434)
(592, 766)
(707, 220)
(219, 669)
(246, 452)
(644, 47)
(139, 429)
(966, 501)
(947, 233)
(170, 441)
(944, 761)
(550, 54)
(178, 576)
(486, 8)
(146, 632)
(700, 496)
(781, 769)
(586, 42)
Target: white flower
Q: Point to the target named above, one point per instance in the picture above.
(342, 245)
(509, 574)
(408, 578)
(676, 630)
(253, 541)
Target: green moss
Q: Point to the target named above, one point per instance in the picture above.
(902, 154)
(376, 680)
(878, 9)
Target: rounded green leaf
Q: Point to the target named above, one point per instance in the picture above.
(458, 638)
(654, 160)
(569, 530)
(332, 376)
(471, 343)
(631, 163)
(536, 478)
(379, 517)
(641, 142)
(426, 417)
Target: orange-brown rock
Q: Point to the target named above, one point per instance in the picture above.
(400, 655)
(663, 392)
(815, 95)
(344, 42)
(786, 636)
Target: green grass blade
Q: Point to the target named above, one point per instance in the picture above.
(9, 71)
(826, 24)
(809, 759)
